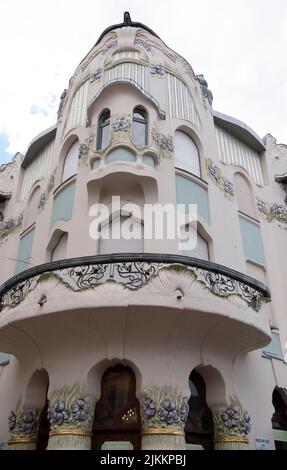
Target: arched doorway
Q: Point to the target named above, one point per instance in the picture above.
(279, 418)
(117, 413)
(199, 424)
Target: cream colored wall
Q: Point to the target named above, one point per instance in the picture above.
(169, 343)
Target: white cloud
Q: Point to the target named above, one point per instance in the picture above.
(239, 46)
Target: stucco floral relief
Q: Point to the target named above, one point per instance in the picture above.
(70, 407)
(11, 225)
(163, 407)
(23, 423)
(45, 195)
(163, 143)
(272, 211)
(215, 174)
(231, 422)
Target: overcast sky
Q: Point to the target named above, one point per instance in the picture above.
(239, 45)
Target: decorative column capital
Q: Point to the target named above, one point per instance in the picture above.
(23, 426)
(164, 410)
(231, 425)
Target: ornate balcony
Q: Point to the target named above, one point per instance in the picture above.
(120, 303)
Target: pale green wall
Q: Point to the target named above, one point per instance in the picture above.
(63, 204)
(252, 240)
(121, 154)
(24, 252)
(189, 192)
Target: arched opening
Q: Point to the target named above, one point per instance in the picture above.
(70, 167)
(199, 424)
(36, 399)
(186, 153)
(59, 250)
(117, 413)
(104, 129)
(140, 127)
(244, 195)
(279, 418)
(192, 243)
(32, 207)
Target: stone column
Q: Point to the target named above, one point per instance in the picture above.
(164, 411)
(23, 426)
(231, 428)
(71, 415)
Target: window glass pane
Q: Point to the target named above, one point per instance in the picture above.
(139, 133)
(105, 134)
(186, 153)
(71, 162)
(252, 240)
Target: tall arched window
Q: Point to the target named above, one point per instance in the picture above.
(199, 424)
(140, 127)
(186, 154)
(279, 418)
(244, 196)
(193, 244)
(113, 239)
(104, 129)
(32, 207)
(59, 251)
(71, 162)
(117, 413)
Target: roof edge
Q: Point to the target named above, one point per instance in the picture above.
(240, 130)
(40, 141)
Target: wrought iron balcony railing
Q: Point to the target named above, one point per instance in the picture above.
(134, 270)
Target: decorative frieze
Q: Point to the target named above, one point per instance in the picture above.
(215, 174)
(134, 275)
(44, 196)
(109, 46)
(271, 211)
(142, 43)
(163, 143)
(11, 225)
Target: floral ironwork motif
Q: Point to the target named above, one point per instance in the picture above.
(272, 211)
(11, 225)
(133, 275)
(97, 75)
(144, 44)
(214, 172)
(157, 70)
(231, 421)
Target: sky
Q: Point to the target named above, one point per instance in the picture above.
(239, 45)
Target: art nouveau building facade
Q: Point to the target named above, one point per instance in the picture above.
(139, 343)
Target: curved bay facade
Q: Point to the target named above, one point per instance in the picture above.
(141, 343)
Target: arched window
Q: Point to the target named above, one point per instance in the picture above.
(114, 240)
(140, 127)
(59, 251)
(117, 413)
(32, 208)
(71, 162)
(104, 129)
(199, 424)
(193, 244)
(244, 196)
(279, 418)
(186, 154)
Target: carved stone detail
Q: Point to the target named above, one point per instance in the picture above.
(271, 211)
(214, 173)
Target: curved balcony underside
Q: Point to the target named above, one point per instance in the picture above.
(182, 304)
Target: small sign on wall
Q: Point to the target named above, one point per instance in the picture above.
(262, 443)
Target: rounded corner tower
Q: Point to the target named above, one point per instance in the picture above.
(118, 334)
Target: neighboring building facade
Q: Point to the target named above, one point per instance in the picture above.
(115, 343)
